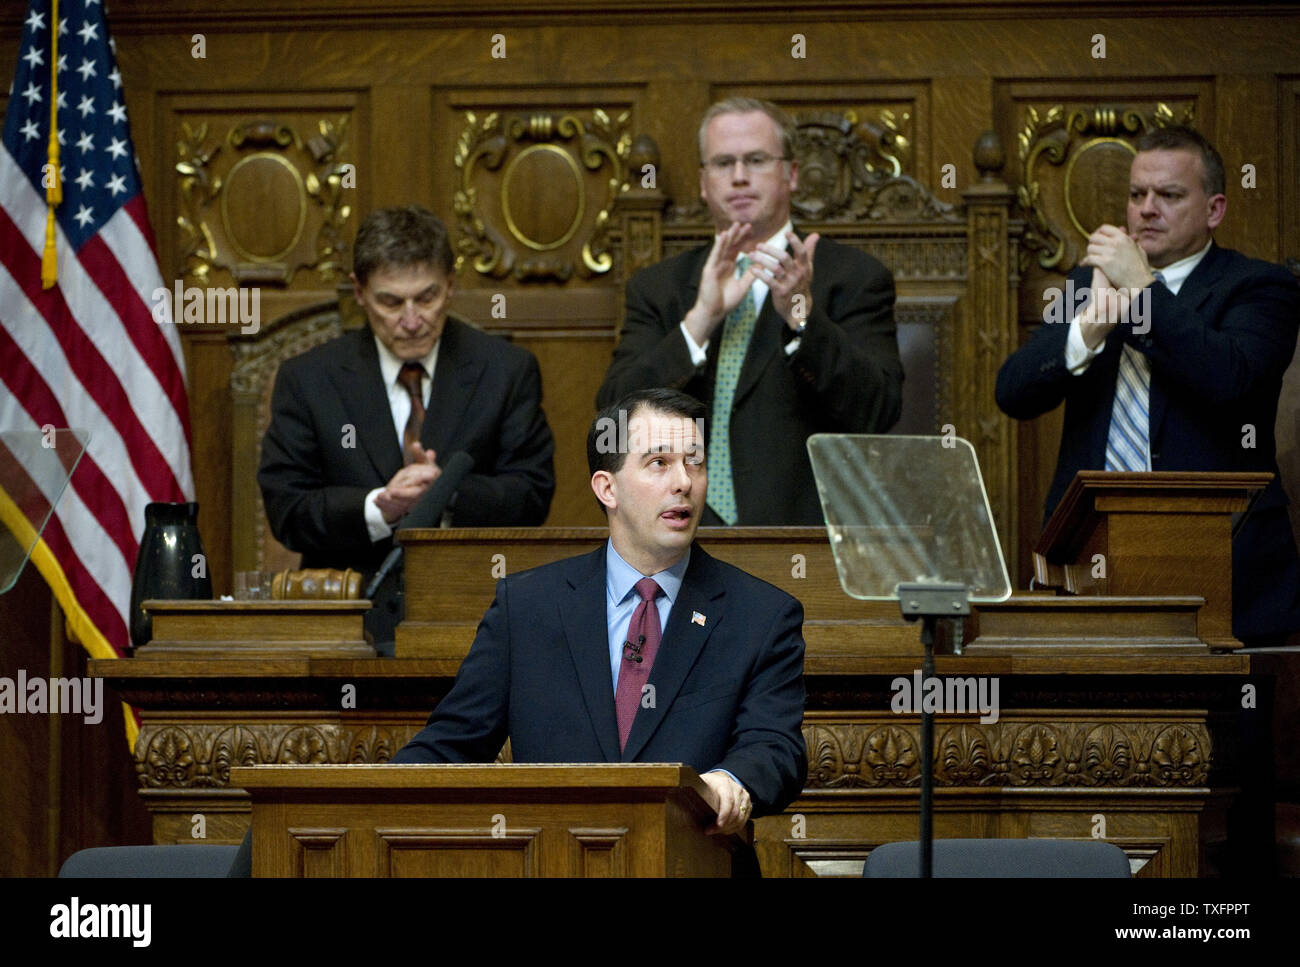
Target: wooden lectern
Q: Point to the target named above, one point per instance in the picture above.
(1153, 533)
(476, 820)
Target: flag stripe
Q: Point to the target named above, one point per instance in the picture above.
(87, 364)
(133, 241)
(138, 279)
(42, 408)
(87, 303)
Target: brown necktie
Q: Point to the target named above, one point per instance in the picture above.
(411, 376)
(638, 657)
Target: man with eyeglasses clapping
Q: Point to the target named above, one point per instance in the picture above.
(782, 335)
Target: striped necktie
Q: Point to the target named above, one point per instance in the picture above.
(1128, 445)
(736, 332)
(411, 376)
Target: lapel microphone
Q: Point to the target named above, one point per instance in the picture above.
(636, 649)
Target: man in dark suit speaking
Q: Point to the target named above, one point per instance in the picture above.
(782, 336)
(358, 425)
(1175, 362)
(646, 650)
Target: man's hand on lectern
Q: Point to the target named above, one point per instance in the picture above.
(733, 804)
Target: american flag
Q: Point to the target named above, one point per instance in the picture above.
(87, 352)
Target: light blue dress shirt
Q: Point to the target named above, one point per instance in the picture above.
(621, 600)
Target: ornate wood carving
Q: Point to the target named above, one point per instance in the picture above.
(537, 193)
(1094, 146)
(262, 201)
(198, 755)
(1014, 751)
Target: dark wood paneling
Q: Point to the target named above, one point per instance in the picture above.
(407, 69)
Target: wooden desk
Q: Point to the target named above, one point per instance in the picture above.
(575, 820)
(1148, 741)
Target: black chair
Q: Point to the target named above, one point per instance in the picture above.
(144, 861)
(1047, 858)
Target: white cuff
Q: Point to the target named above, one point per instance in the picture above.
(699, 354)
(375, 523)
(791, 348)
(1077, 354)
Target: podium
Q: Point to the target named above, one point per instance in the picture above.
(485, 821)
(1154, 533)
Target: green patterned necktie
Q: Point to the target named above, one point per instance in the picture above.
(736, 330)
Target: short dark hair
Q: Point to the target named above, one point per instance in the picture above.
(401, 237)
(1180, 137)
(659, 399)
(747, 105)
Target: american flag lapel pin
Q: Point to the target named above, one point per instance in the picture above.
(697, 619)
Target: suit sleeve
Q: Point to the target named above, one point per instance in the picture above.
(516, 491)
(471, 723)
(651, 349)
(1034, 379)
(1251, 345)
(306, 514)
(767, 751)
(848, 358)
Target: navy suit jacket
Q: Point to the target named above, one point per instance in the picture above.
(728, 694)
(314, 475)
(1218, 351)
(846, 376)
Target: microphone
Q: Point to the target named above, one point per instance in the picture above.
(636, 649)
(426, 512)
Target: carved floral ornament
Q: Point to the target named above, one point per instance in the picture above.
(1009, 753)
(1095, 146)
(262, 202)
(525, 205)
(854, 171)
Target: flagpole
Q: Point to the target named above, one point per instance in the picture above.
(54, 184)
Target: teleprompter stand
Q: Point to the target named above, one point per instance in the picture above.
(909, 520)
(930, 603)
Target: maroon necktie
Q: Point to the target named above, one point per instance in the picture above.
(638, 657)
(411, 376)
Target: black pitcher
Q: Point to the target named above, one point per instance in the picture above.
(171, 563)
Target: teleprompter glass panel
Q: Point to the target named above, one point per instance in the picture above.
(907, 509)
(35, 466)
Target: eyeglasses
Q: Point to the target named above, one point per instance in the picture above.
(756, 162)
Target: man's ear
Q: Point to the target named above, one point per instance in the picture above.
(602, 485)
(1218, 207)
(356, 287)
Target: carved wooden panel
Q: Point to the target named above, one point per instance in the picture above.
(458, 852)
(599, 852)
(1017, 750)
(199, 755)
(264, 187)
(319, 852)
(532, 181)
